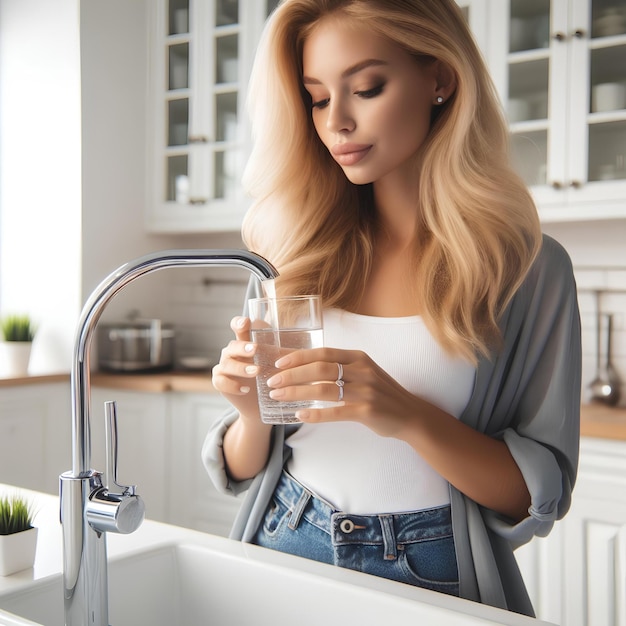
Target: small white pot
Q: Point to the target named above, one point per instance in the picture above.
(14, 358)
(17, 551)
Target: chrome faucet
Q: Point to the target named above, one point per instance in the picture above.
(92, 504)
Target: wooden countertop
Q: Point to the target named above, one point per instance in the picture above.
(34, 380)
(596, 420)
(190, 381)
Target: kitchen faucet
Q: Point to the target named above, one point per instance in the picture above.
(92, 504)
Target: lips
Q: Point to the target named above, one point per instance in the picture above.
(349, 153)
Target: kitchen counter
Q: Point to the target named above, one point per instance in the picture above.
(34, 380)
(597, 420)
(604, 422)
(175, 380)
(190, 381)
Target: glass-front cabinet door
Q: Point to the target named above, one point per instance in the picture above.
(200, 63)
(604, 51)
(563, 86)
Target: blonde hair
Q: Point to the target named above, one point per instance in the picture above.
(478, 230)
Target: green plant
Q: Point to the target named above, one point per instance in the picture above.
(16, 515)
(17, 328)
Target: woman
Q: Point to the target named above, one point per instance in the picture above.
(381, 181)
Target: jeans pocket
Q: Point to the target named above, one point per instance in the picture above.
(431, 564)
(274, 515)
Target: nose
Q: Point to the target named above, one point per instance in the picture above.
(339, 117)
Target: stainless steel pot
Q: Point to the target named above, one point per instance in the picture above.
(140, 345)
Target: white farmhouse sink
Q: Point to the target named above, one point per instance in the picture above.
(230, 584)
(164, 575)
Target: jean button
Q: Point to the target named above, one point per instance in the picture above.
(347, 526)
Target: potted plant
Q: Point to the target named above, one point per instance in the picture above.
(18, 332)
(18, 536)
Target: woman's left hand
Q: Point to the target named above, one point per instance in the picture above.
(370, 395)
(466, 458)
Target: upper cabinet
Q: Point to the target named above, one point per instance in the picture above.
(560, 67)
(201, 55)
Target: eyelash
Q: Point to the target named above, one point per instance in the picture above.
(367, 94)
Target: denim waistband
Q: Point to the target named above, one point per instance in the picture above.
(347, 528)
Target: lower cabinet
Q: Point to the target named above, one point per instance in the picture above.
(35, 435)
(577, 575)
(160, 439)
(160, 436)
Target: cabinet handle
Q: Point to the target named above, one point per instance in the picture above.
(579, 33)
(559, 36)
(197, 201)
(198, 139)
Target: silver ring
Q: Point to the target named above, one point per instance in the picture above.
(340, 381)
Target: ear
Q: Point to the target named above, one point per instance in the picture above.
(445, 81)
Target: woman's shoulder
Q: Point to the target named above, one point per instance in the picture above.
(550, 278)
(552, 262)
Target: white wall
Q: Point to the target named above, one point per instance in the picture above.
(40, 179)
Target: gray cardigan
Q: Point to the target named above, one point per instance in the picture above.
(528, 396)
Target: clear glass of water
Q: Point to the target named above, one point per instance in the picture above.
(280, 326)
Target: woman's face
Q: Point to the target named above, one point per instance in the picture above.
(372, 101)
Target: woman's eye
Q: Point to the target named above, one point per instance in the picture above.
(320, 104)
(370, 93)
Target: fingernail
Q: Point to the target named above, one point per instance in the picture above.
(244, 389)
(241, 322)
(277, 393)
(251, 369)
(303, 415)
(249, 347)
(275, 380)
(282, 362)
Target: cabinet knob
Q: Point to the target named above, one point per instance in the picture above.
(559, 36)
(579, 33)
(556, 184)
(575, 184)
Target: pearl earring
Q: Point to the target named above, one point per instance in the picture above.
(439, 99)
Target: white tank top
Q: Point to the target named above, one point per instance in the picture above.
(350, 466)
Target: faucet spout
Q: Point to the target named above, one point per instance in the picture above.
(84, 537)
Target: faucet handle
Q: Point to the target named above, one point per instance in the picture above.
(113, 507)
(110, 435)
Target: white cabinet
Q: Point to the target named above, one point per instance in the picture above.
(560, 67)
(201, 56)
(577, 575)
(143, 444)
(35, 435)
(193, 501)
(160, 438)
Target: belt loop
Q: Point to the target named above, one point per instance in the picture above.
(389, 538)
(298, 510)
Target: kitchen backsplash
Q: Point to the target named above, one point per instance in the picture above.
(610, 283)
(202, 306)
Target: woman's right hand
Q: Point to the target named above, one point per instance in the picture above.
(246, 443)
(234, 376)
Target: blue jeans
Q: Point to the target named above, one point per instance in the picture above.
(415, 548)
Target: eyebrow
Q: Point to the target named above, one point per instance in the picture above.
(354, 69)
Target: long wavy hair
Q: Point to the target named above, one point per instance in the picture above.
(477, 229)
